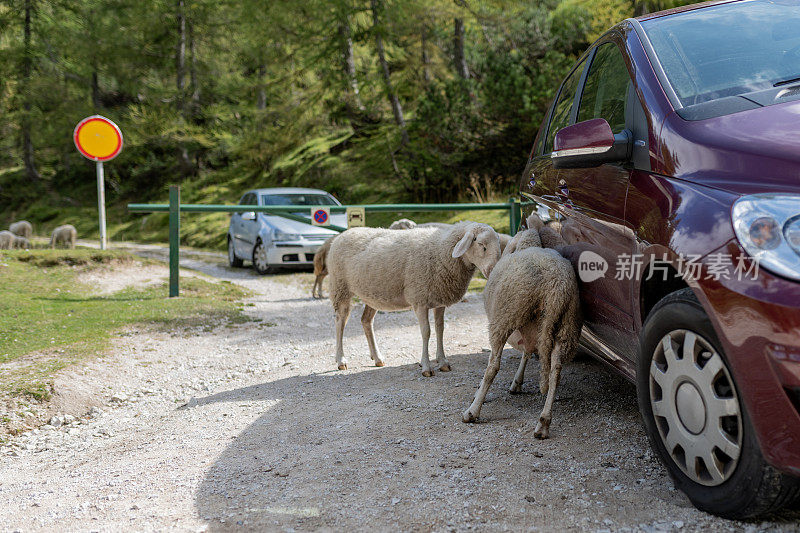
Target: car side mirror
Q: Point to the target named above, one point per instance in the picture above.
(590, 144)
(248, 215)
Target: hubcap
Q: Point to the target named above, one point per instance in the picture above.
(695, 407)
(260, 256)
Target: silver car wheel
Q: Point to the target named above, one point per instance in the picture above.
(695, 407)
(260, 257)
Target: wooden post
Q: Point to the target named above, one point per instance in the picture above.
(174, 238)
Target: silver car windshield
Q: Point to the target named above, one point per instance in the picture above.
(728, 50)
(297, 199)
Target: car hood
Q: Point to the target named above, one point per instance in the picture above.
(749, 152)
(293, 226)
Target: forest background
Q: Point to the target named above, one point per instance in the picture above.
(376, 101)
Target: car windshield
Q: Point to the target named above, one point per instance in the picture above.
(297, 199)
(729, 49)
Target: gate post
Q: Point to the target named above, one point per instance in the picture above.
(174, 238)
(514, 215)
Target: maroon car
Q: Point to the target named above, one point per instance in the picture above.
(670, 163)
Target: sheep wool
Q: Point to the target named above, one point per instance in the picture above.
(422, 268)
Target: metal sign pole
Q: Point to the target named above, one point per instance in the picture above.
(101, 203)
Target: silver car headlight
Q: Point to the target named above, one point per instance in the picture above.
(278, 235)
(768, 228)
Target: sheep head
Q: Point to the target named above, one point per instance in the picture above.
(480, 246)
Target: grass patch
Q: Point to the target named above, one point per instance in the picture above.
(51, 321)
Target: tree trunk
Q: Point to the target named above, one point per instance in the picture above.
(180, 83)
(349, 61)
(27, 69)
(193, 83)
(640, 8)
(95, 91)
(397, 109)
(458, 49)
(426, 60)
(261, 103)
(180, 56)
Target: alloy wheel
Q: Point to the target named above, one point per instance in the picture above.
(695, 407)
(260, 257)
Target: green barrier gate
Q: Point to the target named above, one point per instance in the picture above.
(175, 208)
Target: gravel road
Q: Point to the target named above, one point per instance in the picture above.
(251, 428)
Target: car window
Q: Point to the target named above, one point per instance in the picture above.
(563, 106)
(297, 199)
(245, 199)
(729, 49)
(606, 88)
(250, 199)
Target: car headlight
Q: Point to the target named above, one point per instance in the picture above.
(278, 235)
(768, 228)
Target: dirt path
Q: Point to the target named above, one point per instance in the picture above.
(251, 428)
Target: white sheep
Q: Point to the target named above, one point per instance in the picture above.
(7, 240)
(21, 243)
(65, 234)
(422, 268)
(23, 228)
(403, 223)
(535, 291)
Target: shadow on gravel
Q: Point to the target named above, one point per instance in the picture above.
(385, 449)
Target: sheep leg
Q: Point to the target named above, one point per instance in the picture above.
(438, 319)
(519, 377)
(542, 430)
(316, 290)
(366, 321)
(342, 309)
(474, 411)
(425, 330)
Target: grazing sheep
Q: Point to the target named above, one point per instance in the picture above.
(422, 268)
(23, 228)
(65, 234)
(524, 239)
(403, 223)
(7, 240)
(534, 291)
(21, 243)
(321, 268)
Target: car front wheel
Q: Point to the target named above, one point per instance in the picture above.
(260, 260)
(233, 261)
(695, 419)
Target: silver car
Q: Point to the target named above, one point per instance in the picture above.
(271, 241)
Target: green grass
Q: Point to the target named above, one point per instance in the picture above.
(51, 321)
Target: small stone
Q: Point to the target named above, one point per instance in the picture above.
(395, 501)
(530, 499)
(119, 398)
(56, 421)
(678, 524)
(68, 419)
(95, 411)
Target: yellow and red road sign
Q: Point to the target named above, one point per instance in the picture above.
(97, 138)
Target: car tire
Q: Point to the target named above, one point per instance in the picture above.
(738, 483)
(233, 261)
(260, 259)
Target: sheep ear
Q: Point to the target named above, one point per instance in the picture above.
(463, 245)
